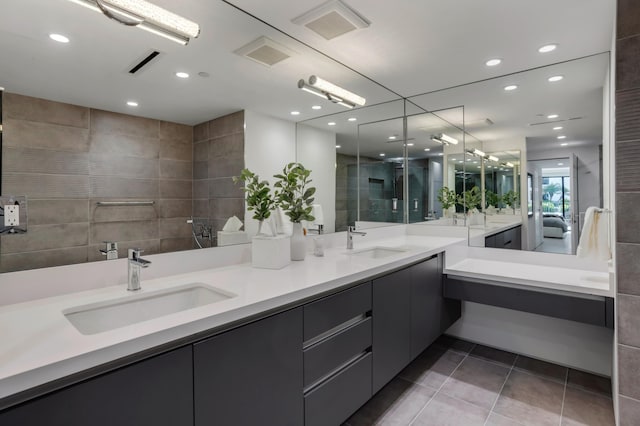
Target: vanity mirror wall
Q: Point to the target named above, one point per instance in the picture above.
(92, 73)
(540, 120)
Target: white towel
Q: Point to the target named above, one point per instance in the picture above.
(594, 240)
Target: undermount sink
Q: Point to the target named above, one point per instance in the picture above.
(378, 252)
(104, 316)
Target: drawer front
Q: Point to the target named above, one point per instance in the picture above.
(335, 400)
(327, 313)
(326, 356)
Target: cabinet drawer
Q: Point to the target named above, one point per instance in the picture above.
(326, 356)
(327, 313)
(335, 400)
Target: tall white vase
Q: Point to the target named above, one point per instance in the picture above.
(298, 244)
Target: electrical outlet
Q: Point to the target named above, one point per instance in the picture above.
(11, 215)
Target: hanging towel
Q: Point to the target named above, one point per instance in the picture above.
(594, 240)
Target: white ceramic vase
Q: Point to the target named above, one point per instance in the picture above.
(298, 243)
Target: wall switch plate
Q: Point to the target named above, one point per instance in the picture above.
(11, 215)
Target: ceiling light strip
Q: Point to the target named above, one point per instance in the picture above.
(338, 91)
(146, 16)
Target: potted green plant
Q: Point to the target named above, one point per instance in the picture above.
(512, 199)
(471, 199)
(267, 250)
(258, 197)
(448, 198)
(492, 201)
(295, 196)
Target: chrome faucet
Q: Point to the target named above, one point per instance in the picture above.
(134, 264)
(110, 250)
(350, 231)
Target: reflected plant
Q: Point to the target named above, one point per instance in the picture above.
(511, 198)
(447, 197)
(471, 199)
(492, 199)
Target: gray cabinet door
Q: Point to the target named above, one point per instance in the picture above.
(426, 305)
(157, 391)
(391, 326)
(251, 375)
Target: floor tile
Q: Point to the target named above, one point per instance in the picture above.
(396, 404)
(495, 355)
(476, 381)
(586, 408)
(531, 400)
(498, 420)
(542, 368)
(444, 410)
(432, 367)
(454, 344)
(589, 381)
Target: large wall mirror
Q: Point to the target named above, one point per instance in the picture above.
(542, 133)
(71, 141)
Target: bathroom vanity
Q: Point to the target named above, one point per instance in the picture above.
(307, 344)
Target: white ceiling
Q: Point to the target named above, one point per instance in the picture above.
(411, 47)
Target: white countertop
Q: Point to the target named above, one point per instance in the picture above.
(40, 345)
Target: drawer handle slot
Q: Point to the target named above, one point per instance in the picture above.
(336, 371)
(335, 330)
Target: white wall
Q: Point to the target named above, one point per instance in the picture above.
(269, 145)
(316, 150)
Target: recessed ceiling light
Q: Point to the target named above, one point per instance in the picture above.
(352, 119)
(382, 154)
(555, 78)
(552, 116)
(409, 144)
(564, 144)
(493, 62)
(440, 154)
(316, 107)
(558, 128)
(548, 48)
(181, 74)
(331, 123)
(392, 138)
(338, 146)
(59, 38)
(562, 137)
(460, 161)
(295, 112)
(560, 164)
(479, 167)
(510, 87)
(132, 103)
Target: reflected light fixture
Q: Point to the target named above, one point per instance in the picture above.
(444, 139)
(492, 158)
(146, 16)
(331, 92)
(478, 152)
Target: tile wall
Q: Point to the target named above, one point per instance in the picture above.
(218, 155)
(66, 158)
(627, 102)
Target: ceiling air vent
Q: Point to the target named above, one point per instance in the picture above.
(332, 19)
(265, 51)
(144, 62)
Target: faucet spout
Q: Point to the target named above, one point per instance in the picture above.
(135, 262)
(351, 230)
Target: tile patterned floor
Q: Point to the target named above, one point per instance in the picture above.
(460, 383)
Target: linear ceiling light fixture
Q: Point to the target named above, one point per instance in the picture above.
(146, 16)
(444, 139)
(331, 92)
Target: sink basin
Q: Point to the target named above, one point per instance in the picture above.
(378, 252)
(103, 316)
